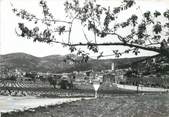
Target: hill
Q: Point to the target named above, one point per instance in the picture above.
(56, 64)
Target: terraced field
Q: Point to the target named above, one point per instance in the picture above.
(24, 84)
(29, 88)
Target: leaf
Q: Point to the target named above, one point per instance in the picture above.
(133, 19)
(100, 55)
(129, 3)
(157, 13)
(166, 25)
(166, 14)
(72, 48)
(103, 34)
(36, 22)
(36, 29)
(157, 28)
(14, 10)
(61, 29)
(116, 10)
(124, 24)
(147, 15)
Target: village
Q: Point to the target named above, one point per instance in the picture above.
(82, 80)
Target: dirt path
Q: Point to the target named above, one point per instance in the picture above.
(149, 105)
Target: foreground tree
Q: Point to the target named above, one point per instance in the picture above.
(148, 31)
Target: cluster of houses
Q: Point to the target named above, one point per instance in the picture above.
(18, 73)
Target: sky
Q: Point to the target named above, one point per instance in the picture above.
(10, 42)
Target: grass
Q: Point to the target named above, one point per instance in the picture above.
(131, 105)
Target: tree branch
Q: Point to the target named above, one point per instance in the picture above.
(85, 35)
(54, 20)
(155, 49)
(70, 29)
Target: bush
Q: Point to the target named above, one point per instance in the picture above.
(64, 84)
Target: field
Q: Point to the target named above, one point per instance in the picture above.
(110, 103)
(28, 88)
(132, 105)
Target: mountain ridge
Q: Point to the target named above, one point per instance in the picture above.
(55, 63)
